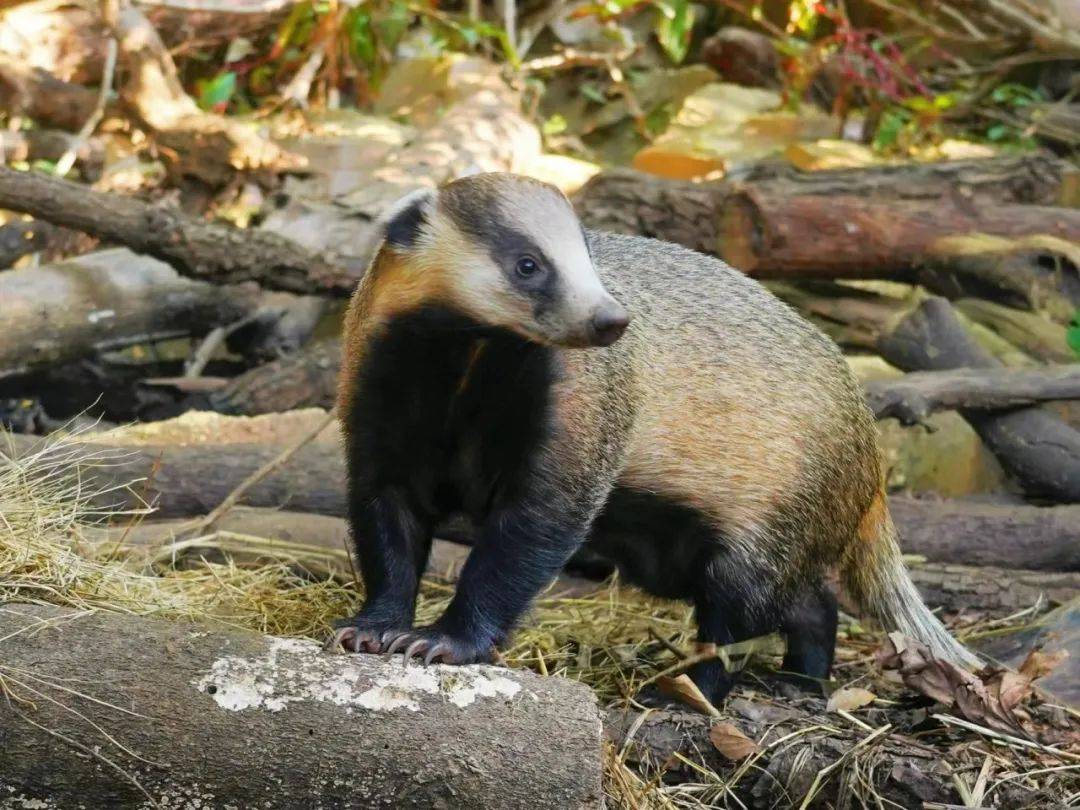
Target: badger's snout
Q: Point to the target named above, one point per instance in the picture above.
(608, 323)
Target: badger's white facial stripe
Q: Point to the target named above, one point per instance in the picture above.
(476, 235)
(547, 219)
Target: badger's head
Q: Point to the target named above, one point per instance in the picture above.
(506, 251)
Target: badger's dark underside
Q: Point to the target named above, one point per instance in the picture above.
(449, 417)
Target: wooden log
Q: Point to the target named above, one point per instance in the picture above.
(626, 201)
(1036, 335)
(913, 397)
(976, 532)
(102, 301)
(187, 480)
(304, 379)
(772, 235)
(168, 714)
(1001, 591)
(631, 202)
(1040, 450)
(1024, 279)
(211, 251)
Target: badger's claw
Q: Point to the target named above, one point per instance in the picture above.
(433, 645)
(361, 634)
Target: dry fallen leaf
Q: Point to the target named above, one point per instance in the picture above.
(1039, 664)
(991, 697)
(685, 690)
(849, 699)
(732, 743)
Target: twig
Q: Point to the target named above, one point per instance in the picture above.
(210, 344)
(1006, 738)
(269, 468)
(67, 160)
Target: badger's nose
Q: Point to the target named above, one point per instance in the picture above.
(608, 324)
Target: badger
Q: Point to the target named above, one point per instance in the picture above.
(565, 388)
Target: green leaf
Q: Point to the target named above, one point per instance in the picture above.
(1072, 334)
(391, 26)
(889, 129)
(592, 92)
(215, 93)
(998, 132)
(554, 125)
(673, 28)
(361, 36)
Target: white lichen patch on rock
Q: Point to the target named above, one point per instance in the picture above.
(293, 670)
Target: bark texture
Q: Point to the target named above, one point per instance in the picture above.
(105, 300)
(995, 534)
(913, 397)
(306, 378)
(773, 235)
(626, 201)
(995, 590)
(217, 718)
(205, 250)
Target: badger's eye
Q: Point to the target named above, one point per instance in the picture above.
(527, 266)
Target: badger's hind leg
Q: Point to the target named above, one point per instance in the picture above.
(809, 627)
(732, 605)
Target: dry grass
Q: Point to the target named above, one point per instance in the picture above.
(615, 639)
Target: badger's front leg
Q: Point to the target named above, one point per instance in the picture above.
(522, 547)
(392, 545)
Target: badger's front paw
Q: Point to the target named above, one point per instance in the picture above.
(433, 644)
(365, 633)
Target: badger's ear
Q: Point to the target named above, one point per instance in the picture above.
(401, 225)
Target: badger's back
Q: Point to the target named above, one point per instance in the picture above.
(742, 408)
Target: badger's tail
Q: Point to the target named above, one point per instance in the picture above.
(873, 573)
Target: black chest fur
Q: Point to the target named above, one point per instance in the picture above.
(448, 413)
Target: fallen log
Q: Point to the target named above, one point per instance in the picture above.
(304, 379)
(188, 480)
(773, 235)
(999, 591)
(105, 300)
(627, 201)
(1040, 450)
(989, 534)
(1024, 278)
(913, 397)
(1035, 335)
(211, 251)
(172, 713)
